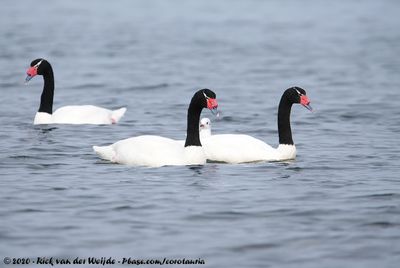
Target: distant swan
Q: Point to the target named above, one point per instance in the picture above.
(156, 151)
(238, 148)
(75, 114)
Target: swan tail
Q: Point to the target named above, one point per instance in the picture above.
(105, 152)
(116, 115)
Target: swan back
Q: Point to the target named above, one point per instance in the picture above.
(80, 114)
(239, 148)
(152, 151)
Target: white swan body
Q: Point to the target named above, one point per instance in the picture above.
(151, 151)
(80, 114)
(238, 148)
(156, 151)
(74, 114)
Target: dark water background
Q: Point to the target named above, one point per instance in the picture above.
(336, 205)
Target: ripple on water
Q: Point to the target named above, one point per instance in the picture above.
(382, 196)
(254, 247)
(59, 188)
(381, 224)
(29, 210)
(219, 215)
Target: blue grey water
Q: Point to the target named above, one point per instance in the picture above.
(336, 205)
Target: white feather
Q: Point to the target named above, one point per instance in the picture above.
(82, 114)
(238, 148)
(152, 151)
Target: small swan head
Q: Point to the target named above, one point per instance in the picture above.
(298, 95)
(37, 67)
(206, 99)
(212, 103)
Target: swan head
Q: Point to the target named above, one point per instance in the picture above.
(207, 99)
(37, 67)
(298, 95)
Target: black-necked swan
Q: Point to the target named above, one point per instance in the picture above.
(72, 114)
(238, 148)
(204, 129)
(156, 151)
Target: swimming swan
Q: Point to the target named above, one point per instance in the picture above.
(74, 114)
(238, 148)
(156, 151)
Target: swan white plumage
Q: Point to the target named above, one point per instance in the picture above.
(74, 114)
(239, 148)
(156, 151)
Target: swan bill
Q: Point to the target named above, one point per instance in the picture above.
(212, 105)
(215, 112)
(27, 79)
(305, 102)
(308, 106)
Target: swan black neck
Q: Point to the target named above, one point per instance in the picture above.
(46, 100)
(193, 118)
(284, 129)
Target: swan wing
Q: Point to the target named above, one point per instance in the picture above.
(237, 148)
(152, 151)
(86, 114)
